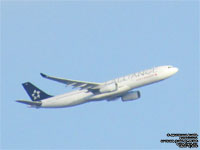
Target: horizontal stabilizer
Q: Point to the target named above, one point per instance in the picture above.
(32, 103)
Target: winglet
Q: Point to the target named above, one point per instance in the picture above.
(43, 75)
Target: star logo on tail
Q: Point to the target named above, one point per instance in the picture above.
(36, 94)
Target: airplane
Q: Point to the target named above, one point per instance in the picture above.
(91, 91)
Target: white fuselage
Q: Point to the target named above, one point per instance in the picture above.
(124, 85)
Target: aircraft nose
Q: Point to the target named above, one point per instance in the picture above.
(175, 70)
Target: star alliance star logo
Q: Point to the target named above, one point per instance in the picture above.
(36, 94)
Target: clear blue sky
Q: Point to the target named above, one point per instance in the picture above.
(98, 41)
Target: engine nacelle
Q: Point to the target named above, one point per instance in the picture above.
(108, 88)
(131, 96)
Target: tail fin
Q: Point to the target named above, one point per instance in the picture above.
(35, 93)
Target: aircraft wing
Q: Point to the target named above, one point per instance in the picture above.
(74, 83)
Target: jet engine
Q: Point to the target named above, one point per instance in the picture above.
(131, 96)
(108, 88)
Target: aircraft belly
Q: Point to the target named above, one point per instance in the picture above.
(66, 101)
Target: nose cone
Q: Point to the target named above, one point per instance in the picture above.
(166, 72)
(175, 70)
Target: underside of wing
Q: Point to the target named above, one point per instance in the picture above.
(74, 83)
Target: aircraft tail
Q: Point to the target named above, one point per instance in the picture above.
(34, 93)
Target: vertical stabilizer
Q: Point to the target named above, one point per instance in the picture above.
(35, 93)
